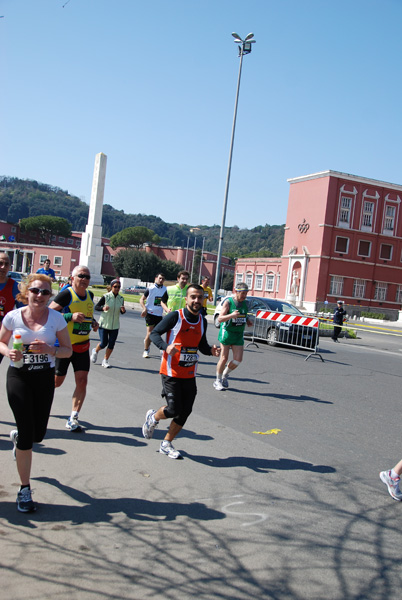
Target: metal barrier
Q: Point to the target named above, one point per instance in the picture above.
(293, 330)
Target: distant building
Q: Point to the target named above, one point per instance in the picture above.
(27, 254)
(343, 239)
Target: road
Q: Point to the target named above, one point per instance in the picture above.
(249, 513)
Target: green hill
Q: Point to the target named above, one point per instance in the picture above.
(22, 198)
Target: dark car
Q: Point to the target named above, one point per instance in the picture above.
(16, 276)
(276, 331)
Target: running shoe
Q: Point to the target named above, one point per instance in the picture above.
(94, 356)
(218, 385)
(73, 425)
(167, 448)
(392, 485)
(24, 501)
(225, 382)
(14, 439)
(150, 424)
(145, 354)
(105, 364)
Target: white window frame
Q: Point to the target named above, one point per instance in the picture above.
(70, 241)
(341, 237)
(359, 288)
(345, 211)
(367, 215)
(106, 258)
(336, 285)
(239, 277)
(42, 258)
(57, 261)
(270, 282)
(278, 279)
(111, 257)
(398, 296)
(13, 229)
(62, 240)
(358, 248)
(259, 279)
(380, 293)
(249, 280)
(389, 219)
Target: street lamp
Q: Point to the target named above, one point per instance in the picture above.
(244, 48)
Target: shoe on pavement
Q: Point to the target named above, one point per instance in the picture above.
(145, 354)
(218, 385)
(392, 485)
(73, 425)
(167, 448)
(24, 501)
(105, 364)
(225, 382)
(150, 424)
(14, 439)
(94, 356)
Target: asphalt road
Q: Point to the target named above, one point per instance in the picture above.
(296, 514)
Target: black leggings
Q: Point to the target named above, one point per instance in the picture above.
(30, 396)
(180, 395)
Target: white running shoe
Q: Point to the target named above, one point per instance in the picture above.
(167, 448)
(105, 364)
(218, 385)
(150, 424)
(392, 485)
(73, 425)
(94, 356)
(145, 354)
(14, 439)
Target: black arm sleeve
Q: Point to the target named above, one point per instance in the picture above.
(63, 298)
(100, 304)
(165, 297)
(163, 327)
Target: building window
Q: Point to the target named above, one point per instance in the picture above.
(249, 280)
(359, 288)
(389, 220)
(344, 214)
(368, 211)
(58, 261)
(239, 276)
(70, 241)
(380, 291)
(61, 240)
(341, 244)
(53, 238)
(111, 257)
(398, 297)
(13, 229)
(42, 258)
(258, 282)
(385, 251)
(106, 258)
(336, 286)
(269, 282)
(364, 248)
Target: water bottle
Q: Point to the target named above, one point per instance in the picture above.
(18, 345)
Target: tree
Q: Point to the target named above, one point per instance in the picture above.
(46, 226)
(170, 269)
(133, 236)
(227, 282)
(143, 265)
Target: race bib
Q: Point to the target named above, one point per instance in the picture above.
(239, 321)
(157, 300)
(34, 362)
(83, 328)
(188, 357)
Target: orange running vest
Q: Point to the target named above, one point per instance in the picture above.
(188, 336)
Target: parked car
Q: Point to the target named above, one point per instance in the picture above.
(135, 289)
(16, 276)
(276, 332)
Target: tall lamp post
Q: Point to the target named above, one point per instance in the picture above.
(244, 48)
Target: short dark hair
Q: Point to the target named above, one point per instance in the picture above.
(183, 273)
(161, 274)
(194, 286)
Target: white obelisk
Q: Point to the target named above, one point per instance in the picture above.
(91, 253)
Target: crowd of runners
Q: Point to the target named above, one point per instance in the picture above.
(43, 338)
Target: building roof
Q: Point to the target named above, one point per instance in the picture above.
(340, 175)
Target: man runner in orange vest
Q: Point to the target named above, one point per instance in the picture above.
(185, 329)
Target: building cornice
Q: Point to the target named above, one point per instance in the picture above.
(347, 176)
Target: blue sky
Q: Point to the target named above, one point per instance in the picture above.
(152, 84)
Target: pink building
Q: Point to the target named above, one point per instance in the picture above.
(343, 239)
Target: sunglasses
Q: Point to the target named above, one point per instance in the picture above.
(38, 291)
(116, 286)
(82, 276)
(4, 264)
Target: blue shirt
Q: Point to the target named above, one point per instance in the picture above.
(50, 273)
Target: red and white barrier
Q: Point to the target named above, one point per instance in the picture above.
(284, 318)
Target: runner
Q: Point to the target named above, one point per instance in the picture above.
(46, 270)
(175, 296)
(152, 308)
(8, 289)
(233, 319)
(79, 317)
(30, 385)
(207, 294)
(186, 334)
(112, 306)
